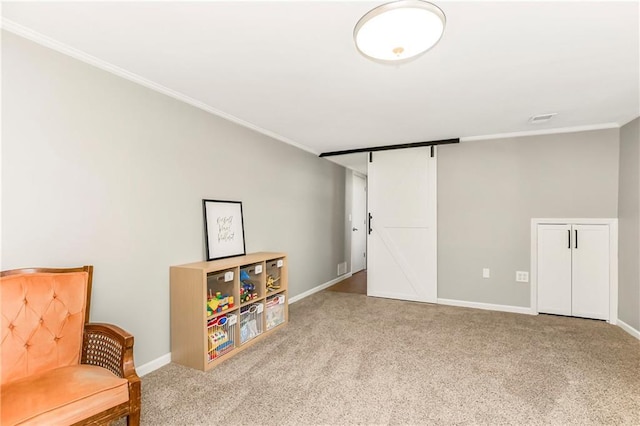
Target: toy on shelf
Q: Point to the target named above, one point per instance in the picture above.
(218, 302)
(247, 291)
(220, 336)
(271, 283)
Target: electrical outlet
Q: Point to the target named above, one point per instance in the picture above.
(522, 276)
(486, 273)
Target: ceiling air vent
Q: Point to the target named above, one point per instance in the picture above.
(542, 118)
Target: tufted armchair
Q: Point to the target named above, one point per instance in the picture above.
(56, 367)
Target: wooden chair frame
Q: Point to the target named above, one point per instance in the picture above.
(107, 346)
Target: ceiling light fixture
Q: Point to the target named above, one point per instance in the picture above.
(399, 31)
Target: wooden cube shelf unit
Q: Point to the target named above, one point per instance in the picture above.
(221, 307)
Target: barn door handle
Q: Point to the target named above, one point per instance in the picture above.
(576, 239)
(569, 238)
(370, 217)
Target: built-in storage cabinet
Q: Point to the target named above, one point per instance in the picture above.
(574, 269)
(220, 307)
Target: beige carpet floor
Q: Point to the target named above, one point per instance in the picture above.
(350, 359)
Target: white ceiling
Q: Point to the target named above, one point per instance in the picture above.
(290, 69)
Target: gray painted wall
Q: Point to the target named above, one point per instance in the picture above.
(99, 170)
(488, 191)
(629, 225)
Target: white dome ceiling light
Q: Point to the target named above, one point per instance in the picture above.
(399, 31)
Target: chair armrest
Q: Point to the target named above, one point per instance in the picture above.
(109, 346)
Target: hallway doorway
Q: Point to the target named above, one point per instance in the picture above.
(355, 284)
(359, 224)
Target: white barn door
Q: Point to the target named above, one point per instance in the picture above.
(402, 243)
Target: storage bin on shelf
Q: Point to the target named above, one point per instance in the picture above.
(274, 275)
(220, 291)
(251, 282)
(222, 336)
(251, 321)
(275, 314)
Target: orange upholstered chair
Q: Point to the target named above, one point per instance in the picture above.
(57, 368)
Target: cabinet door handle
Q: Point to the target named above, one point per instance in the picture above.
(569, 238)
(370, 217)
(576, 239)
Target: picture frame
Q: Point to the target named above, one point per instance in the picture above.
(223, 229)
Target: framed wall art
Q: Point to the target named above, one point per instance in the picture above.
(223, 229)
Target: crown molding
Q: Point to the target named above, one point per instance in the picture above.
(65, 49)
(573, 129)
(51, 43)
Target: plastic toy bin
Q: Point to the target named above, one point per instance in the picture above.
(251, 282)
(221, 334)
(275, 310)
(274, 269)
(251, 326)
(220, 291)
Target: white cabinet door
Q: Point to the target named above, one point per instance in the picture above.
(402, 244)
(573, 270)
(590, 294)
(554, 269)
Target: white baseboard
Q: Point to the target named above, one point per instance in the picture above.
(153, 365)
(626, 327)
(321, 287)
(486, 306)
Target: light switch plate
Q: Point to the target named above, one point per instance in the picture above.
(486, 273)
(522, 276)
